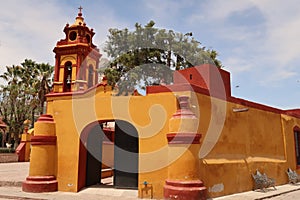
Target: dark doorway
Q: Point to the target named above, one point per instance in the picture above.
(94, 156)
(126, 155)
(117, 150)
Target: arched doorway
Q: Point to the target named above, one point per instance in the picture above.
(125, 154)
(94, 155)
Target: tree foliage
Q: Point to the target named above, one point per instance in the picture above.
(24, 94)
(149, 53)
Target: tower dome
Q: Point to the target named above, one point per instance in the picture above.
(77, 58)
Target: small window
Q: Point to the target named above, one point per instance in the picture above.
(73, 35)
(297, 145)
(191, 76)
(88, 38)
(90, 76)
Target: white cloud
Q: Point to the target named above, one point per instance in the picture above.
(283, 29)
(256, 39)
(33, 28)
(237, 65)
(218, 10)
(165, 10)
(268, 48)
(29, 29)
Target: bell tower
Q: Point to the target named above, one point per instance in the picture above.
(76, 58)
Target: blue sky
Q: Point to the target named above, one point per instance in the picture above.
(258, 40)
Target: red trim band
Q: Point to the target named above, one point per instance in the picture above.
(183, 138)
(43, 140)
(45, 118)
(39, 184)
(192, 190)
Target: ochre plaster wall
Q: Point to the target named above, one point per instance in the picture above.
(233, 144)
(249, 140)
(149, 115)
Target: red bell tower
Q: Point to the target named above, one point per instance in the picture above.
(77, 58)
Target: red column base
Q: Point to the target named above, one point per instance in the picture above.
(185, 190)
(37, 184)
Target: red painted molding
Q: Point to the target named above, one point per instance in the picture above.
(176, 88)
(296, 128)
(40, 178)
(294, 113)
(43, 140)
(185, 190)
(183, 138)
(76, 93)
(255, 105)
(184, 113)
(191, 183)
(38, 184)
(21, 151)
(45, 118)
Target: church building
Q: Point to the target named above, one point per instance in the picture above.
(189, 140)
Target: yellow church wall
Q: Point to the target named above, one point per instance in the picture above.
(288, 124)
(245, 141)
(249, 140)
(67, 143)
(149, 115)
(233, 144)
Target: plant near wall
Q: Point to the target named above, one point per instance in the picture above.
(23, 96)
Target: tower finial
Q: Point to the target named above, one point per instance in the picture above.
(80, 9)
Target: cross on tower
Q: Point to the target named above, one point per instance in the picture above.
(80, 8)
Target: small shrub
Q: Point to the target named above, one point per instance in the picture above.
(7, 150)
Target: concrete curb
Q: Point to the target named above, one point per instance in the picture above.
(260, 195)
(278, 194)
(8, 157)
(10, 184)
(18, 198)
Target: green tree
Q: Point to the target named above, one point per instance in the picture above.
(149, 54)
(24, 94)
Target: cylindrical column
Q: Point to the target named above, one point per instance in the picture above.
(43, 155)
(184, 143)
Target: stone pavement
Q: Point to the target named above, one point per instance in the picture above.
(260, 195)
(12, 175)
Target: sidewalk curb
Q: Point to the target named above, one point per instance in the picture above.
(278, 194)
(10, 184)
(19, 198)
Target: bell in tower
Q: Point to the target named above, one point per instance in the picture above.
(77, 58)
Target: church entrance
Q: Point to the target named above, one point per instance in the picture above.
(109, 155)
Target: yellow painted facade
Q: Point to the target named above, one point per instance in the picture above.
(255, 139)
(237, 136)
(104, 107)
